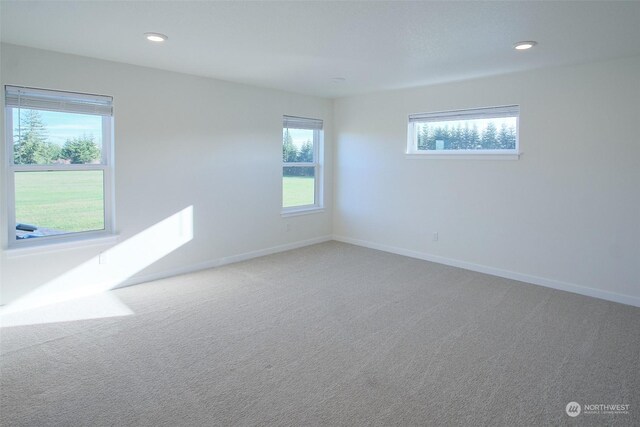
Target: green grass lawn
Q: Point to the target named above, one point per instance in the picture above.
(73, 200)
(62, 200)
(297, 191)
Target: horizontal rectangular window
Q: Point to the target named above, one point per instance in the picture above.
(59, 164)
(492, 130)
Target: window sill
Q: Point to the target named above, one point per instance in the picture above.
(301, 211)
(52, 246)
(464, 156)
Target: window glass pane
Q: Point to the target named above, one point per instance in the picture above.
(58, 202)
(298, 186)
(476, 134)
(297, 145)
(50, 137)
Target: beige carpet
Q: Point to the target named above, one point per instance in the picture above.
(331, 334)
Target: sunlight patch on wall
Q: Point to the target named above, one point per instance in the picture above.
(107, 270)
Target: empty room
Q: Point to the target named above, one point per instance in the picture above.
(411, 213)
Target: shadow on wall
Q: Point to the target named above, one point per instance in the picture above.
(80, 293)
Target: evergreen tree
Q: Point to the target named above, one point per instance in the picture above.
(503, 136)
(507, 137)
(440, 134)
(447, 135)
(81, 150)
(48, 153)
(306, 152)
(474, 138)
(423, 137)
(430, 138)
(466, 137)
(30, 144)
(456, 138)
(490, 137)
(289, 151)
(511, 138)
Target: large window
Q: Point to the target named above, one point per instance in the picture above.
(59, 165)
(492, 131)
(301, 180)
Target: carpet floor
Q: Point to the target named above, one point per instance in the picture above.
(330, 334)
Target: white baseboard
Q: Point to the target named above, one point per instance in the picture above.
(541, 281)
(221, 261)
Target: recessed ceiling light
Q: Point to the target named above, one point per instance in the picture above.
(155, 37)
(524, 45)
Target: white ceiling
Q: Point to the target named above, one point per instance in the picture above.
(299, 45)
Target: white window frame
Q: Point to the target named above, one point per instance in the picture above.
(312, 124)
(106, 166)
(456, 115)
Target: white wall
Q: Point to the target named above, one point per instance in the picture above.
(566, 215)
(180, 140)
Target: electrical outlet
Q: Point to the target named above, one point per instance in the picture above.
(435, 236)
(287, 227)
(102, 258)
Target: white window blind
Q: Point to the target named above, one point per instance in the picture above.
(29, 98)
(472, 114)
(292, 122)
